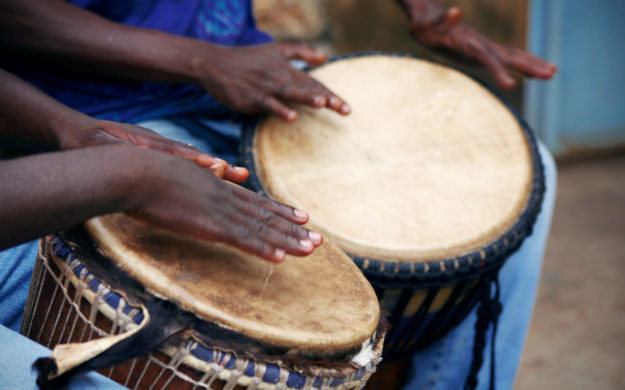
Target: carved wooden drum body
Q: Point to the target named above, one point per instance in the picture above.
(429, 185)
(194, 315)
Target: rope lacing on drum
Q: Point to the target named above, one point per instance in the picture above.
(487, 313)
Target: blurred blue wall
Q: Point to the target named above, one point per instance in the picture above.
(583, 107)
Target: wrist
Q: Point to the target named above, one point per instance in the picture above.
(201, 61)
(71, 128)
(150, 175)
(132, 175)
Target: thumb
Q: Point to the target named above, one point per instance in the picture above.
(449, 20)
(301, 51)
(440, 21)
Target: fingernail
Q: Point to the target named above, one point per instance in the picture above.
(291, 115)
(306, 244)
(345, 109)
(334, 102)
(319, 101)
(300, 213)
(279, 254)
(315, 237)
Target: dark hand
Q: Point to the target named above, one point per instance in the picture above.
(434, 26)
(101, 132)
(259, 79)
(68, 187)
(186, 199)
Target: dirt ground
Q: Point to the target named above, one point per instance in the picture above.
(577, 336)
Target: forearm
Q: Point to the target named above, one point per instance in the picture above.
(33, 120)
(49, 192)
(74, 37)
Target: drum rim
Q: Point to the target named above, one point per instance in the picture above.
(434, 272)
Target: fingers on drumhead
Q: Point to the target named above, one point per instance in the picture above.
(287, 212)
(274, 106)
(265, 222)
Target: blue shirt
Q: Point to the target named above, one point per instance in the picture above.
(223, 22)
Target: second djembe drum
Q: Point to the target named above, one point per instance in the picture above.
(429, 185)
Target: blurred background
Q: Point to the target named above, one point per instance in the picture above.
(577, 335)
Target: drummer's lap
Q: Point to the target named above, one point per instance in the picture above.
(445, 365)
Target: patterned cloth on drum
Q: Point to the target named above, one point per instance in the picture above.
(429, 185)
(223, 318)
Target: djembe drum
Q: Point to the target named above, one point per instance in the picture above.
(199, 315)
(429, 185)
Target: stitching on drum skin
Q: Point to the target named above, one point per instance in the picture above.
(110, 373)
(164, 368)
(57, 280)
(54, 294)
(214, 369)
(145, 369)
(254, 385)
(77, 298)
(171, 377)
(284, 377)
(43, 245)
(63, 303)
(204, 378)
(130, 372)
(232, 381)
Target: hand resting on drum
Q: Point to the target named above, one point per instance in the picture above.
(54, 191)
(436, 27)
(104, 172)
(259, 79)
